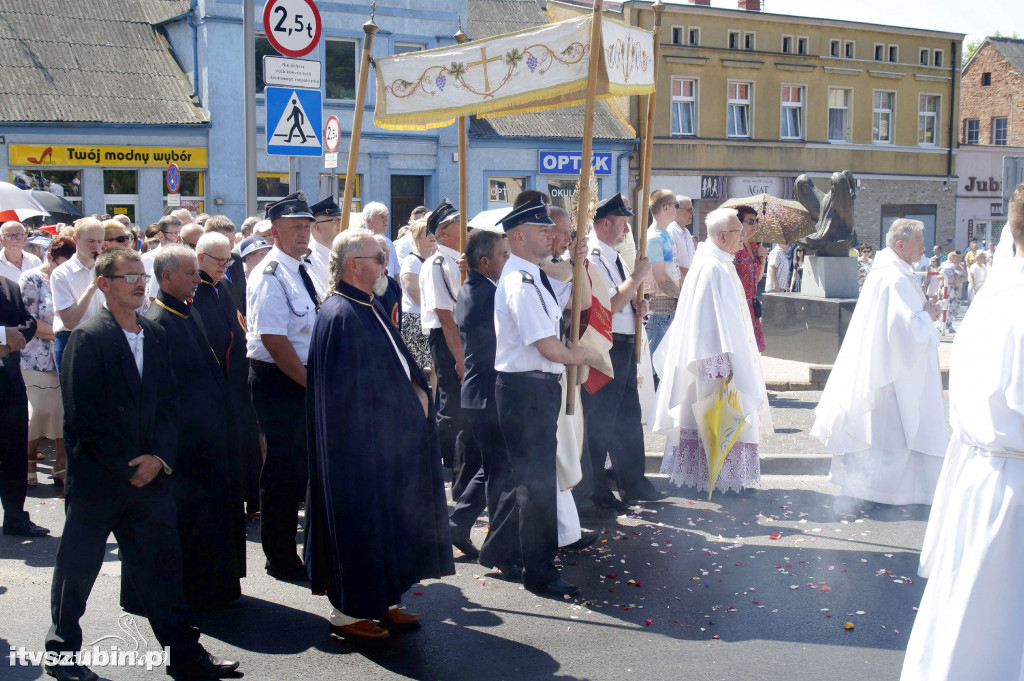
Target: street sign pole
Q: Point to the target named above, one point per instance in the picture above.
(249, 112)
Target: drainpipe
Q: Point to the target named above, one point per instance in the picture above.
(618, 166)
(195, 50)
(954, 123)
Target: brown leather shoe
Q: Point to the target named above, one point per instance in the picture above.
(361, 629)
(401, 617)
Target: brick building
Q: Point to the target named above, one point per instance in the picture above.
(991, 107)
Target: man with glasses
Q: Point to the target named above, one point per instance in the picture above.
(76, 298)
(327, 222)
(375, 219)
(282, 303)
(169, 232)
(14, 259)
(235, 272)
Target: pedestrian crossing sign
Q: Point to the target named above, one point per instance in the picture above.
(294, 121)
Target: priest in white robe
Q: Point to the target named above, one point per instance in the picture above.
(711, 338)
(880, 416)
(967, 626)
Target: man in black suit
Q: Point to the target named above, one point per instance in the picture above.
(17, 327)
(121, 429)
(235, 274)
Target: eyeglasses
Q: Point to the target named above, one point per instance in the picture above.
(123, 239)
(13, 235)
(381, 257)
(219, 261)
(131, 278)
(677, 205)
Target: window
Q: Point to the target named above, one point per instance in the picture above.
(402, 48)
(340, 69)
(937, 58)
(677, 35)
(64, 183)
(999, 129)
(838, 114)
(894, 53)
(801, 45)
(684, 103)
(190, 190)
(270, 187)
(879, 52)
(502, 191)
(263, 47)
(972, 127)
(787, 44)
(694, 36)
(120, 182)
(739, 109)
(925, 60)
(748, 41)
(927, 119)
(734, 40)
(881, 117)
(792, 112)
(986, 78)
(835, 48)
(357, 192)
(848, 48)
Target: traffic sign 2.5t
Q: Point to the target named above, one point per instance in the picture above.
(292, 26)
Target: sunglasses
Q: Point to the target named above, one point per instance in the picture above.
(381, 257)
(123, 239)
(131, 278)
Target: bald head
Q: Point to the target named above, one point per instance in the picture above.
(562, 230)
(190, 234)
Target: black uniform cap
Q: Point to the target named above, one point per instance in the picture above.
(616, 205)
(444, 212)
(533, 212)
(292, 206)
(328, 208)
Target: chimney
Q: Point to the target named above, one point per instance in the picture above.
(700, 2)
(750, 5)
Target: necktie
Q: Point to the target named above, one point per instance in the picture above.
(308, 283)
(547, 284)
(622, 273)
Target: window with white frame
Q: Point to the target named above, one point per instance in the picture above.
(684, 106)
(801, 45)
(677, 34)
(999, 131)
(787, 44)
(734, 40)
(879, 52)
(839, 114)
(403, 48)
(835, 48)
(938, 57)
(925, 56)
(792, 112)
(972, 128)
(849, 48)
(927, 119)
(749, 40)
(694, 35)
(894, 53)
(738, 124)
(881, 116)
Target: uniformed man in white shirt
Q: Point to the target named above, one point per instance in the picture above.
(612, 414)
(530, 358)
(282, 300)
(14, 259)
(327, 222)
(440, 281)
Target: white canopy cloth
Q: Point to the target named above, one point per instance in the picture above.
(967, 626)
(880, 415)
(711, 320)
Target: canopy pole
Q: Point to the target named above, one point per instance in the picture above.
(460, 38)
(369, 28)
(644, 215)
(582, 214)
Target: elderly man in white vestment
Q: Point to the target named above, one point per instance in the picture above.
(880, 416)
(711, 338)
(968, 626)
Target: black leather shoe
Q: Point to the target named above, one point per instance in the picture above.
(294, 575)
(465, 545)
(70, 672)
(594, 514)
(201, 666)
(614, 504)
(587, 538)
(27, 529)
(511, 573)
(559, 587)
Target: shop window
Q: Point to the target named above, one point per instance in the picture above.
(120, 182)
(340, 69)
(190, 190)
(66, 183)
(684, 106)
(561, 189)
(270, 187)
(839, 114)
(503, 190)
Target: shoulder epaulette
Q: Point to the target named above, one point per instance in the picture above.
(596, 251)
(527, 277)
(271, 267)
(439, 260)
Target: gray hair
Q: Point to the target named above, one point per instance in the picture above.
(901, 230)
(167, 259)
(373, 209)
(345, 244)
(718, 220)
(210, 239)
(248, 224)
(383, 242)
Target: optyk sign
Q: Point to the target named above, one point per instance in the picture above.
(569, 162)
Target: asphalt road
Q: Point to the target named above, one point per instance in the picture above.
(755, 585)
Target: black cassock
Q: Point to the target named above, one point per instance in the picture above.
(378, 522)
(225, 329)
(207, 476)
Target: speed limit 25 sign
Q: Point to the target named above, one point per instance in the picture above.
(292, 26)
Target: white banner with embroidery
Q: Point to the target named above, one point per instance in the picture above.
(536, 69)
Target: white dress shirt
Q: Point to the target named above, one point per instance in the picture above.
(524, 313)
(684, 248)
(439, 286)
(278, 304)
(602, 256)
(319, 255)
(67, 283)
(13, 272)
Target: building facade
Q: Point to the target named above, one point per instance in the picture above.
(747, 101)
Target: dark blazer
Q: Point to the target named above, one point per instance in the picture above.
(14, 314)
(474, 314)
(111, 415)
(236, 270)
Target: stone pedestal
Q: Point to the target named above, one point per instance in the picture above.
(806, 328)
(830, 277)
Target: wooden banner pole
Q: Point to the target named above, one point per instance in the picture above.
(369, 28)
(460, 38)
(643, 216)
(582, 214)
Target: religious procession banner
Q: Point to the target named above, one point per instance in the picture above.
(532, 70)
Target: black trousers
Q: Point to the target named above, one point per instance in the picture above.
(13, 448)
(486, 487)
(458, 452)
(525, 526)
(280, 406)
(143, 521)
(614, 427)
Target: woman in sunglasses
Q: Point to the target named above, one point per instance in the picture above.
(116, 235)
(749, 262)
(864, 262)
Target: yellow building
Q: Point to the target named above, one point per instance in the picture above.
(746, 101)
